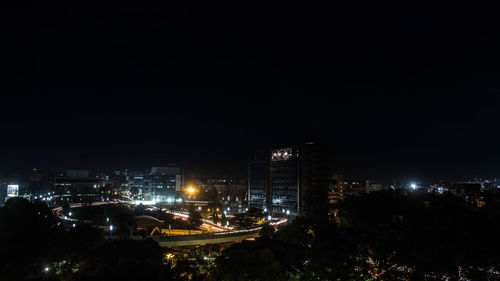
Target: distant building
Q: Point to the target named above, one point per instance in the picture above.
(342, 188)
(375, 187)
(138, 184)
(167, 178)
(157, 183)
(280, 179)
(227, 191)
(77, 173)
(75, 181)
(464, 189)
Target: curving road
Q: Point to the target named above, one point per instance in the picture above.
(221, 234)
(213, 238)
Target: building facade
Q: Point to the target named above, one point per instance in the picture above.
(157, 183)
(342, 188)
(281, 179)
(258, 179)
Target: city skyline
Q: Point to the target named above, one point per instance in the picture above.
(230, 140)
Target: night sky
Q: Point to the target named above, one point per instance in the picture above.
(396, 92)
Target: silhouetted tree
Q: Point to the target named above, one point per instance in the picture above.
(195, 218)
(126, 260)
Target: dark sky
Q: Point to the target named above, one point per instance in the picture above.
(407, 92)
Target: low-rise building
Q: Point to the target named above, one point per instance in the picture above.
(342, 188)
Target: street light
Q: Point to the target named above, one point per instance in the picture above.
(191, 190)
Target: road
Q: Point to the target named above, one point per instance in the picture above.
(220, 235)
(213, 238)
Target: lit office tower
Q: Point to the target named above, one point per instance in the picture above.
(258, 172)
(289, 179)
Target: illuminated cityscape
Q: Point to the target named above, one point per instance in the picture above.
(248, 141)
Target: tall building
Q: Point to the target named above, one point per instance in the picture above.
(285, 180)
(258, 179)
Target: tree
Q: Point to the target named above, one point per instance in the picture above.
(215, 217)
(255, 212)
(65, 207)
(30, 231)
(126, 260)
(195, 218)
(243, 220)
(261, 260)
(267, 232)
(223, 219)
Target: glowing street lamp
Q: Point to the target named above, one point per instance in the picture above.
(191, 191)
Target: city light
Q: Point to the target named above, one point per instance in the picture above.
(269, 217)
(46, 269)
(70, 213)
(413, 186)
(111, 227)
(191, 190)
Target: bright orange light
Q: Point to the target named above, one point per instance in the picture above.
(191, 190)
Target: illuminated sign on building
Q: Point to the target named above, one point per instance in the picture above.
(12, 190)
(284, 154)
